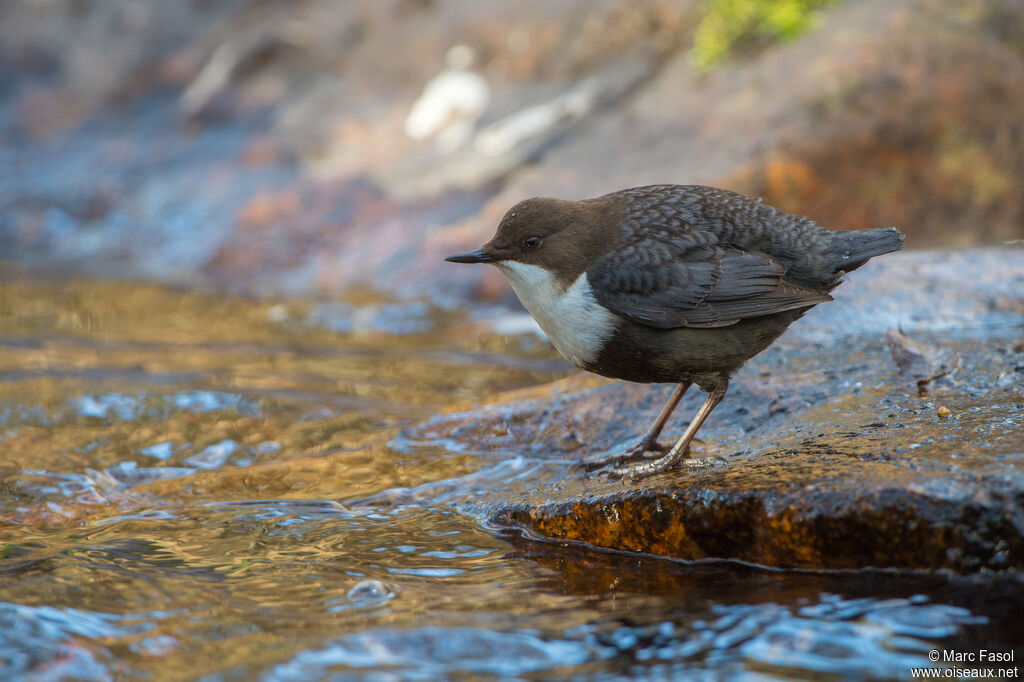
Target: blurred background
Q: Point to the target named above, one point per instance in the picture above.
(297, 148)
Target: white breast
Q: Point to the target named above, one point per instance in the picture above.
(571, 317)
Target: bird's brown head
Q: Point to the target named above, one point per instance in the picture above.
(560, 236)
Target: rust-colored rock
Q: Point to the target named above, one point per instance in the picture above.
(799, 525)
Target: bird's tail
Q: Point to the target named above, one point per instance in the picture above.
(852, 249)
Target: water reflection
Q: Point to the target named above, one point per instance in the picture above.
(41, 642)
(434, 653)
(222, 494)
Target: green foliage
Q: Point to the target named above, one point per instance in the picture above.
(727, 23)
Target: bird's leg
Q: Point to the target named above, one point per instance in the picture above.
(650, 439)
(648, 442)
(642, 469)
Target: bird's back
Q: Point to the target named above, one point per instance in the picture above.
(813, 256)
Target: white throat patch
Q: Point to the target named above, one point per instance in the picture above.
(576, 323)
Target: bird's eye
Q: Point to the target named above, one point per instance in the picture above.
(532, 242)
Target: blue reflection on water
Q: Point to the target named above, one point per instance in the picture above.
(41, 641)
(432, 653)
(855, 639)
(127, 407)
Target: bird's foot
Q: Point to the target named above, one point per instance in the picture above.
(644, 469)
(632, 454)
(638, 451)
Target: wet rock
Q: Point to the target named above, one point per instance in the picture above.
(822, 456)
(921, 362)
(371, 591)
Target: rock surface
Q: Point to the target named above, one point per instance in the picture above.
(824, 456)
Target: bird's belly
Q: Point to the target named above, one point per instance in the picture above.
(577, 325)
(595, 339)
(649, 355)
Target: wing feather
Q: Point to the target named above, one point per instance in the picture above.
(668, 281)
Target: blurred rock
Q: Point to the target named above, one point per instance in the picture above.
(865, 122)
(912, 123)
(291, 148)
(230, 61)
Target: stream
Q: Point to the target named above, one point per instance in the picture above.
(196, 487)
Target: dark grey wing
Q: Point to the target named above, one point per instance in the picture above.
(684, 281)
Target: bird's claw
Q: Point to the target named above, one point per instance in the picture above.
(656, 466)
(614, 461)
(603, 460)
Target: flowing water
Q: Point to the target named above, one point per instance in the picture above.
(201, 488)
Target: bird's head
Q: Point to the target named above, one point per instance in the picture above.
(549, 233)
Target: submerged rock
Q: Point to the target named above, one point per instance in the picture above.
(822, 456)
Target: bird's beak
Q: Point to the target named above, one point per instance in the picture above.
(478, 256)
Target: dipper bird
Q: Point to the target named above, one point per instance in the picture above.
(669, 284)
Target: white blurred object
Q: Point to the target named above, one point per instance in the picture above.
(502, 136)
(451, 102)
